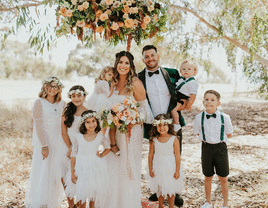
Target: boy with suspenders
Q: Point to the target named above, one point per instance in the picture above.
(214, 128)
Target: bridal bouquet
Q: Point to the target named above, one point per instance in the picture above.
(121, 115)
(115, 20)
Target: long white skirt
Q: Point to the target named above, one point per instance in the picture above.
(125, 171)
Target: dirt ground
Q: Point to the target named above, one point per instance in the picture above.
(248, 152)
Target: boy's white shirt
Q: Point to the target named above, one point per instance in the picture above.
(212, 127)
(188, 88)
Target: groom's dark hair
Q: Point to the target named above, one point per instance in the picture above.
(149, 47)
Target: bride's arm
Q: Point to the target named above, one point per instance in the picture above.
(139, 92)
(140, 96)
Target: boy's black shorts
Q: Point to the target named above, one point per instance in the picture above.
(215, 156)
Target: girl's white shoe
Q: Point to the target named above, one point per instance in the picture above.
(206, 205)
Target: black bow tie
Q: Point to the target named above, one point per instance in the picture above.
(213, 115)
(152, 73)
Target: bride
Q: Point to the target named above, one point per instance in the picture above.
(125, 170)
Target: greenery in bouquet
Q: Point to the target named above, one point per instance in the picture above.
(121, 115)
(115, 20)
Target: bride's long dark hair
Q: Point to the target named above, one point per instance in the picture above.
(132, 75)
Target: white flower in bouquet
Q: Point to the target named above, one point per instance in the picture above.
(74, 2)
(142, 116)
(129, 3)
(116, 4)
(123, 118)
(151, 8)
(120, 108)
(125, 16)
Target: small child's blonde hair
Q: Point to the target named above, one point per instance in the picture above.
(191, 63)
(103, 72)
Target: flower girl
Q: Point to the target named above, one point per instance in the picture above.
(69, 128)
(164, 161)
(89, 170)
(45, 188)
(103, 90)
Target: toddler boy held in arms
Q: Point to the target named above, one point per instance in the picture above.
(186, 89)
(214, 128)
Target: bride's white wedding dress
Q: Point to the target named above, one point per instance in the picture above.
(125, 170)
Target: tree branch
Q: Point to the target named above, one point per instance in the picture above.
(232, 41)
(5, 9)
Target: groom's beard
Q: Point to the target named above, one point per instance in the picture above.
(152, 66)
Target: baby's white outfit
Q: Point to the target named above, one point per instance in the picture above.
(99, 100)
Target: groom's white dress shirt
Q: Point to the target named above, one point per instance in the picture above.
(158, 92)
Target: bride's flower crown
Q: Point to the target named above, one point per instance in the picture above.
(162, 121)
(77, 91)
(53, 79)
(89, 115)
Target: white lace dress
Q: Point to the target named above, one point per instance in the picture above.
(45, 187)
(99, 99)
(91, 171)
(164, 167)
(72, 131)
(125, 170)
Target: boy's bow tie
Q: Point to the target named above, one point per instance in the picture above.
(152, 73)
(213, 115)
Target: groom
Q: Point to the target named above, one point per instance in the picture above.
(160, 92)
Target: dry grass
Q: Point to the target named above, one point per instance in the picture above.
(16, 153)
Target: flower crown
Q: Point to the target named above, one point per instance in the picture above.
(77, 91)
(89, 115)
(52, 79)
(162, 121)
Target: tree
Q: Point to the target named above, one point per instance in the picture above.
(18, 61)
(235, 25)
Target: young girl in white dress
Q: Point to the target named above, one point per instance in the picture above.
(164, 161)
(103, 90)
(69, 128)
(45, 187)
(89, 169)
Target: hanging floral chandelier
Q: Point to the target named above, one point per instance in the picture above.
(116, 21)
